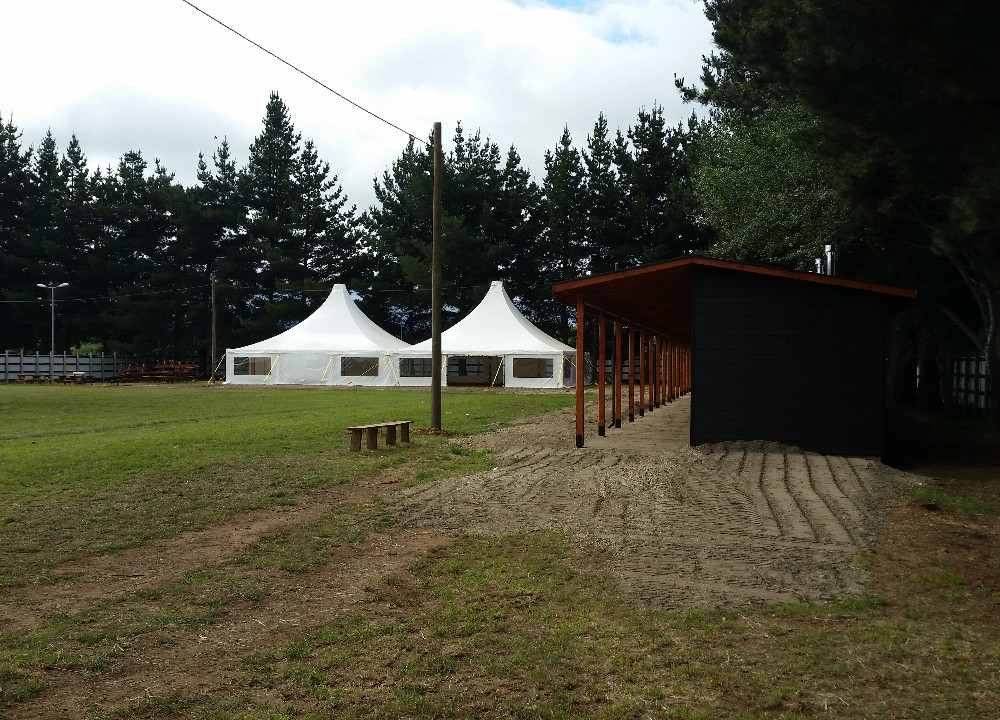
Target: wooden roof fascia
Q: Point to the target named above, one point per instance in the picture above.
(569, 286)
(810, 277)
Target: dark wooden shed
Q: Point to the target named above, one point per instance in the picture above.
(768, 354)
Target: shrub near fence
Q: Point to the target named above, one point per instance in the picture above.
(100, 367)
(970, 384)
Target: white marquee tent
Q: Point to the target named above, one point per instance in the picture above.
(494, 345)
(336, 345)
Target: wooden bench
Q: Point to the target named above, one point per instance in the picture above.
(371, 434)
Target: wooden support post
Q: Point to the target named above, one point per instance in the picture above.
(658, 371)
(668, 375)
(664, 346)
(677, 371)
(652, 372)
(631, 373)
(371, 435)
(618, 373)
(602, 373)
(689, 369)
(390, 434)
(671, 370)
(580, 370)
(642, 372)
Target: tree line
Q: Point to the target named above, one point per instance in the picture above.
(866, 126)
(142, 253)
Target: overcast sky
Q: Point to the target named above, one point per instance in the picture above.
(160, 77)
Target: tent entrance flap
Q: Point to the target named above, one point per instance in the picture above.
(475, 370)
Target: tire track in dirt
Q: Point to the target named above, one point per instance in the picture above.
(95, 577)
(689, 527)
(194, 660)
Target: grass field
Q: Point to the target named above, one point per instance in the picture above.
(527, 626)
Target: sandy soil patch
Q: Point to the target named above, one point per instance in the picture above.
(712, 526)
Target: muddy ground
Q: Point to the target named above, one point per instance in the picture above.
(713, 526)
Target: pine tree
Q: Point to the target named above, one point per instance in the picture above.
(400, 229)
(220, 218)
(135, 252)
(270, 194)
(564, 251)
(606, 201)
(661, 207)
(18, 322)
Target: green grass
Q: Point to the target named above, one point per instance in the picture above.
(531, 625)
(100, 469)
(104, 468)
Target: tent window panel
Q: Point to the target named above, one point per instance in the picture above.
(532, 367)
(415, 367)
(466, 367)
(359, 366)
(251, 365)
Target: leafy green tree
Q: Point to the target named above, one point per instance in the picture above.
(767, 197)
(80, 238)
(328, 225)
(900, 90)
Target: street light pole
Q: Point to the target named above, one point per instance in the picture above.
(51, 287)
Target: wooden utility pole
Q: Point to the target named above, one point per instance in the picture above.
(436, 278)
(211, 362)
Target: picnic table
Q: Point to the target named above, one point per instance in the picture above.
(29, 378)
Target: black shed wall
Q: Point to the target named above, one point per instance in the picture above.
(794, 362)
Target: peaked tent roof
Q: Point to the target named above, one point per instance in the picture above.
(338, 325)
(495, 327)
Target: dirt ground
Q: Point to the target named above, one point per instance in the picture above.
(714, 526)
(718, 525)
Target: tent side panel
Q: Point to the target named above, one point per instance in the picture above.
(362, 369)
(550, 370)
(249, 368)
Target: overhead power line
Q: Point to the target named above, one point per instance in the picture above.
(304, 73)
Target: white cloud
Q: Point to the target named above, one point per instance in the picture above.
(162, 78)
